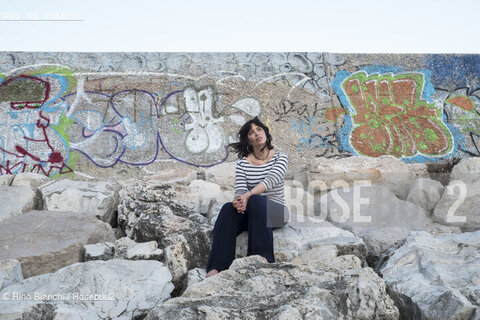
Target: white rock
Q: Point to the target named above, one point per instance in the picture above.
(144, 251)
(323, 253)
(10, 273)
(99, 251)
(222, 174)
(376, 215)
(121, 247)
(113, 289)
(45, 241)
(6, 179)
(296, 197)
(252, 289)
(32, 180)
(425, 193)
(439, 276)
(158, 212)
(303, 234)
(385, 170)
(15, 201)
(459, 206)
(204, 192)
(171, 176)
(194, 276)
(176, 259)
(96, 198)
(467, 170)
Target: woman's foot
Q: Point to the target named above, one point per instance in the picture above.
(212, 273)
(265, 259)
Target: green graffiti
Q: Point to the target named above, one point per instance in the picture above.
(391, 111)
(63, 71)
(61, 128)
(430, 135)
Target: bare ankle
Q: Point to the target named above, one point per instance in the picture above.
(212, 273)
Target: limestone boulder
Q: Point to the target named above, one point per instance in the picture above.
(376, 215)
(193, 276)
(302, 234)
(222, 174)
(10, 273)
(15, 201)
(145, 251)
(6, 179)
(459, 206)
(99, 251)
(158, 212)
(123, 248)
(97, 198)
(337, 288)
(467, 170)
(298, 176)
(385, 170)
(202, 192)
(113, 289)
(45, 241)
(425, 193)
(32, 180)
(436, 277)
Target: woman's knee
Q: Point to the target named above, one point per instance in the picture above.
(257, 199)
(228, 206)
(226, 210)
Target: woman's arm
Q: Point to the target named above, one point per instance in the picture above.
(240, 180)
(277, 174)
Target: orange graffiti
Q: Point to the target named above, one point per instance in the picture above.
(463, 102)
(390, 116)
(332, 114)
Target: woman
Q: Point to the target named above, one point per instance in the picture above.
(259, 203)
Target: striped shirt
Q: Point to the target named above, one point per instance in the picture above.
(271, 174)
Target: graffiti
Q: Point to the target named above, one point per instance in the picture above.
(391, 114)
(309, 139)
(128, 124)
(55, 159)
(204, 134)
(285, 109)
(139, 109)
(24, 92)
(32, 131)
(178, 123)
(461, 107)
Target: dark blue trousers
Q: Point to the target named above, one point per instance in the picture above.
(260, 218)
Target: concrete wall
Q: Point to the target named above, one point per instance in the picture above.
(118, 113)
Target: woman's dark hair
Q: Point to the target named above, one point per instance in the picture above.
(241, 147)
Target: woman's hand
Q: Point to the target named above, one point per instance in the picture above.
(240, 202)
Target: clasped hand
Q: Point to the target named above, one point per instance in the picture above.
(240, 202)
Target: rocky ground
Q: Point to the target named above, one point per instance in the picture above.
(368, 238)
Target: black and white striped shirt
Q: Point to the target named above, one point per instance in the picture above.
(271, 174)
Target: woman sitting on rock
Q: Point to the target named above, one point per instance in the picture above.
(259, 202)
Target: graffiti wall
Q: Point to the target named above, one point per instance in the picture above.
(78, 113)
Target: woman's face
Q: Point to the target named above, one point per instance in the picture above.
(256, 136)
